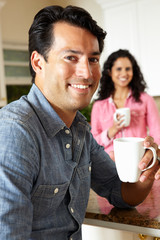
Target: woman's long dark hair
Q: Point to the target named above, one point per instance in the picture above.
(137, 85)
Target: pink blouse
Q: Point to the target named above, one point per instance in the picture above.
(145, 120)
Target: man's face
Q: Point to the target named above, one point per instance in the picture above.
(71, 74)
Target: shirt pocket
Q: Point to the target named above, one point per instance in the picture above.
(47, 198)
(83, 186)
(84, 171)
(138, 118)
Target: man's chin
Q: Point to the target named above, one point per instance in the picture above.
(83, 106)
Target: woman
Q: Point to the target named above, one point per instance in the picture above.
(122, 85)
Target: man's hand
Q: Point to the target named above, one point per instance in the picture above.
(154, 172)
(135, 193)
(157, 176)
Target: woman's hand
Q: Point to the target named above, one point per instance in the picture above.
(116, 127)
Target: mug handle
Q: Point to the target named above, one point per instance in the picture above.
(115, 117)
(154, 157)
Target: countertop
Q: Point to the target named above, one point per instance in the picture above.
(144, 219)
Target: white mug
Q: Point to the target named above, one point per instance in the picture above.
(128, 153)
(126, 118)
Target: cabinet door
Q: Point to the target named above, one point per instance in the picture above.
(134, 25)
(149, 42)
(101, 233)
(121, 27)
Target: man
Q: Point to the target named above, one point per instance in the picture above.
(48, 157)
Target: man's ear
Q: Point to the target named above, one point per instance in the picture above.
(36, 62)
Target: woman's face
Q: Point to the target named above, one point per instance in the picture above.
(122, 72)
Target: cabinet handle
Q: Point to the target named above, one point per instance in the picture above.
(142, 236)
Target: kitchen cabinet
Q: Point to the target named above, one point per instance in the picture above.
(134, 25)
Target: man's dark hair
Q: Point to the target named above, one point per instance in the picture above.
(137, 85)
(41, 34)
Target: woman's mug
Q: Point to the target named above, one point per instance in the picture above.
(126, 116)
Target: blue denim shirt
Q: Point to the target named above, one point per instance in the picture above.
(46, 171)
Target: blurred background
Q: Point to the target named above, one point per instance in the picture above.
(130, 24)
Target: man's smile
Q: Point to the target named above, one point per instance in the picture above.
(80, 86)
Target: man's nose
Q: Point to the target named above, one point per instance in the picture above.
(83, 70)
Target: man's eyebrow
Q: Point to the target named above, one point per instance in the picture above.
(81, 53)
(96, 53)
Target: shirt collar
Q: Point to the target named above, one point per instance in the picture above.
(129, 94)
(50, 120)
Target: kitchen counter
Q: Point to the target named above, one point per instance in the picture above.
(143, 219)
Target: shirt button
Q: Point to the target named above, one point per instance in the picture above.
(68, 145)
(72, 211)
(56, 190)
(89, 168)
(67, 131)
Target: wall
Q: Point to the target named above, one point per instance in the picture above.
(3, 99)
(17, 16)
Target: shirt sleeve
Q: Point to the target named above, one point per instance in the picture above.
(104, 178)
(100, 134)
(17, 173)
(153, 119)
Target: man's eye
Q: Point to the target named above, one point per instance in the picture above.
(71, 58)
(94, 60)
